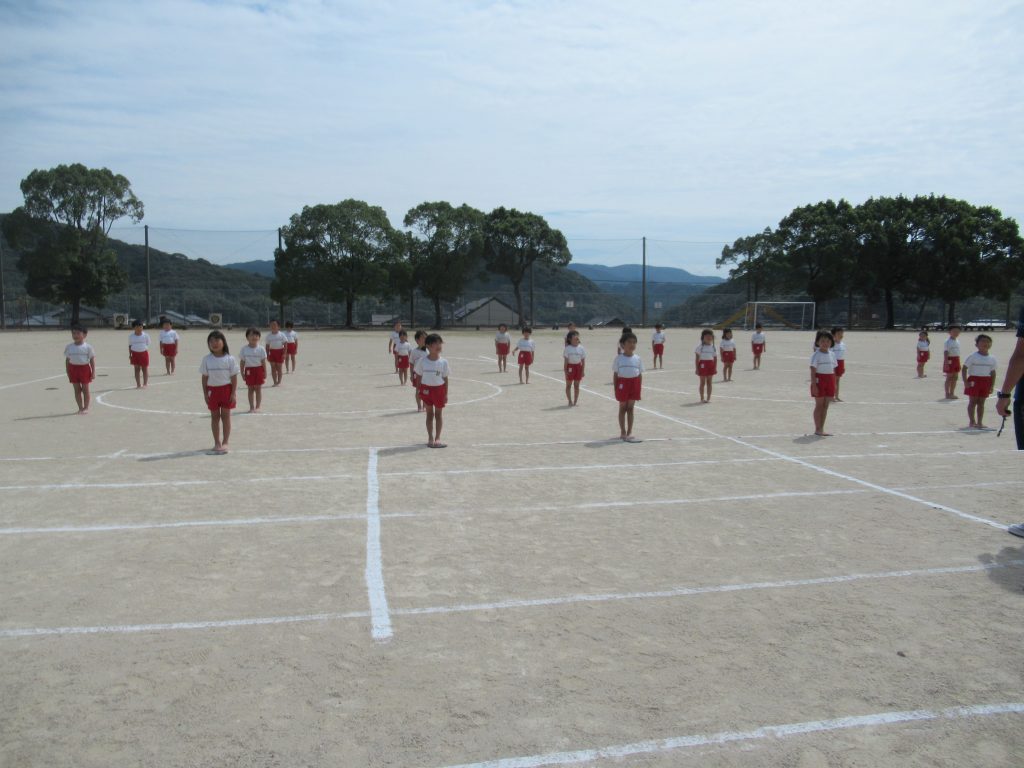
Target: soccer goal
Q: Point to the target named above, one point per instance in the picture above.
(798, 315)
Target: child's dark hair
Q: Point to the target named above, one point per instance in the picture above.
(981, 336)
(627, 335)
(136, 323)
(218, 335)
(837, 329)
(707, 332)
(726, 332)
(165, 321)
(924, 332)
(502, 325)
(433, 338)
(289, 324)
(658, 326)
(626, 329)
(527, 329)
(419, 335)
(252, 331)
(570, 335)
(825, 334)
(79, 328)
(758, 327)
(403, 334)
(951, 326)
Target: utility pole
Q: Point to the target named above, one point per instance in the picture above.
(280, 247)
(643, 287)
(3, 293)
(149, 292)
(531, 293)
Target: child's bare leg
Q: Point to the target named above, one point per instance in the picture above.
(138, 376)
(259, 397)
(78, 396)
(521, 366)
(568, 390)
(971, 407)
(225, 419)
(86, 398)
(629, 418)
(430, 424)
(527, 374)
(981, 411)
(252, 399)
(145, 375)
(622, 419)
(438, 424)
(215, 428)
(576, 392)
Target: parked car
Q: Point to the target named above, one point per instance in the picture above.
(986, 325)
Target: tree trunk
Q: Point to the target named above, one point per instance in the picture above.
(349, 304)
(920, 312)
(849, 309)
(519, 302)
(412, 307)
(437, 312)
(951, 312)
(76, 311)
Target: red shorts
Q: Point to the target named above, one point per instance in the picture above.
(219, 397)
(574, 372)
(403, 362)
(840, 368)
(728, 355)
(254, 375)
(923, 355)
(416, 378)
(826, 385)
(292, 347)
(952, 365)
(707, 368)
(978, 386)
(758, 348)
(140, 358)
(436, 396)
(502, 348)
(659, 349)
(169, 350)
(628, 389)
(526, 358)
(275, 355)
(80, 374)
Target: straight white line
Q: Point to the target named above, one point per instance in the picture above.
(506, 604)
(380, 620)
(809, 465)
(34, 381)
(654, 746)
(563, 467)
(167, 483)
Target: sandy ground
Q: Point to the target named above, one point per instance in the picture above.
(333, 593)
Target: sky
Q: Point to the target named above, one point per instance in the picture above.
(691, 122)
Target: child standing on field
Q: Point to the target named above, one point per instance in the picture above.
(433, 373)
(823, 380)
(758, 344)
(979, 373)
(220, 381)
(527, 348)
(402, 351)
(80, 365)
(502, 345)
(706, 362)
(627, 379)
(658, 345)
(168, 344)
(420, 350)
(253, 363)
(951, 361)
(291, 347)
(277, 347)
(728, 347)
(575, 357)
(923, 353)
(839, 350)
(138, 354)
(393, 339)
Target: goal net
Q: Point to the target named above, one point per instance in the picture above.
(798, 315)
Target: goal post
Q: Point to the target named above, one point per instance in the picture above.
(798, 315)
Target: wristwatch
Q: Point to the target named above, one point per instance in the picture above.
(1003, 395)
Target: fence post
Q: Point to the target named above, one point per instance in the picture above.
(149, 292)
(643, 286)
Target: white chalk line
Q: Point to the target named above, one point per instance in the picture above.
(564, 467)
(654, 746)
(677, 592)
(380, 620)
(809, 465)
(802, 401)
(33, 381)
(169, 483)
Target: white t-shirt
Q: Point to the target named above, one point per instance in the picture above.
(952, 347)
(276, 340)
(978, 364)
(415, 355)
(627, 367)
(218, 369)
(169, 337)
(727, 345)
(658, 337)
(403, 348)
(79, 354)
(526, 345)
(923, 346)
(823, 362)
(291, 336)
(432, 373)
(839, 350)
(138, 342)
(502, 338)
(575, 355)
(395, 338)
(757, 338)
(252, 357)
(706, 351)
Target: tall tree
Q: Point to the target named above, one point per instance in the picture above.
(756, 258)
(61, 232)
(341, 250)
(887, 242)
(448, 244)
(514, 240)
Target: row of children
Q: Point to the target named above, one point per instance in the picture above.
(978, 371)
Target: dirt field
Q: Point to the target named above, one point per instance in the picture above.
(731, 591)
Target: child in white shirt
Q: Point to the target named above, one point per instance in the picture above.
(575, 360)
(706, 361)
(80, 365)
(433, 371)
(951, 361)
(658, 345)
(168, 344)
(138, 354)
(220, 380)
(823, 380)
(253, 364)
(627, 380)
(923, 353)
(979, 374)
(402, 351)
(527, 348)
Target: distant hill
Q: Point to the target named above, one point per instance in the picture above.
(263, 267)
(633, 273)
(666, 286)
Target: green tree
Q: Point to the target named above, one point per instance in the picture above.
(339, 252)
(61, 232)
(756, 258)
(447, 244)
(513, 241)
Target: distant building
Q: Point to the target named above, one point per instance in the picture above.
(379, 319)
(179, 320)
(488, 311)
(606, 322)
